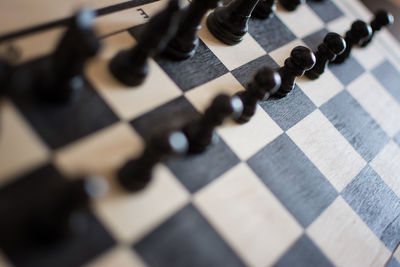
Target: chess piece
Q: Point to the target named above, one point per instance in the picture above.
(382, 19)
(229, 23)
(200, 133)
(185, 42)
(62, 74)
(63, 216)
(332, 46)
(130, 66)
(359, 31)
(291, 5)
(264, 84)
(136, 173)
(301, 59)
(4, 76)
(264, 9)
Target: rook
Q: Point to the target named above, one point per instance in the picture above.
(301, 59)
(332, 46)
(130, 66)
(230, 23)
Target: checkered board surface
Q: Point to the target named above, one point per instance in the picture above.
(312, 180)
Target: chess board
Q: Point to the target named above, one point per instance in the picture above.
(312, 180)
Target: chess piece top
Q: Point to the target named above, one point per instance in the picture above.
(265, 83)
(130, 66)
(333, 45)
(382, 18)
(291, 5)
(229, 23)
(184, 44)
(301, 59)
(264, 9)
(137, 173)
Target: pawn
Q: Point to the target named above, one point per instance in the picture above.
(301, 59)
(130, 66)
(200, 133)
(185, 42)
(382, 19)
(264, 9)
(291, 5)
(332, 46)
(359, 32)
(137, 173)
(57, 81)
(63, 216)
(264, 84)
(229, 23)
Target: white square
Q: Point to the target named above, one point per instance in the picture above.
(246, 139)
(232, 56)
(118, 256)
(129, 216)
(129, 102)
(369, 57)
(101, 152)
(330, 152)
(387, 165)
(202, 96)
(248, 216)
(301, 22)
(396, 254)
(377, 102)
(340, 25)
(280, 54)
(20, 147)
(322, 89)
(345, 239)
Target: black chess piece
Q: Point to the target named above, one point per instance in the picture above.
(185, 42)
(62, 74)
(5, 70)
(264, 9)
(382, 19)
(301, 59)
(359, 32)
(265, 83)
(229, 23)
(130, 66)
(291, 5)
(64, 215)
(136, 173)
(332, 46)
(200, 133)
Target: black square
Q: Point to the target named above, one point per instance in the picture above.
(271, 33)
(61, 124)
(347, 71)
(170, 116)
(389, 77)
(376, 204)
(196, 171)
(355, 124)
(326, 10)
(303, 253)
(294, 180)
(245, 73)
(186, 239)
(289, 110)
(393, 262)
(203, 67)
(24, 198)
(315, 39)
